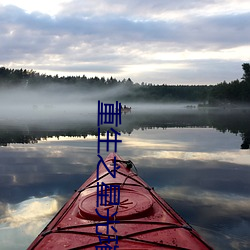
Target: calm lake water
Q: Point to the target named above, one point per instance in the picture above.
(197, 160)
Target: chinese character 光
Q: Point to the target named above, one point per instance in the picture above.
(106, 223)
(106, 247)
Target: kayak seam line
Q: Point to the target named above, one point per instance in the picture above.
(158, 244)
(153, 230)
(167, 209)
(120, 222)
(120, 237)
(173, 212)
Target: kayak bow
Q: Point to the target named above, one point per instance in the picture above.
(141, 220)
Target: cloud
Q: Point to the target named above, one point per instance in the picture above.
(115, 38)
(225, 31)
(144, 10)
(95, 31)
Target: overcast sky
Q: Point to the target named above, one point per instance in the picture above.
(154, 41)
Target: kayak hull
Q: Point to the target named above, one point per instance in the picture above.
(142, 220)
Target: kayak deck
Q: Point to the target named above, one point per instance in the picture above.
(142, 220)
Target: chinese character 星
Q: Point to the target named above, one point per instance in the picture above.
(108, 194)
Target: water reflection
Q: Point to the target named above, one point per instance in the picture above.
(33, 209)
(195, 166)
(31, 131)
(19, 222)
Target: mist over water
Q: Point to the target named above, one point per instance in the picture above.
(44, 103)
(61, 102)
(59, 109)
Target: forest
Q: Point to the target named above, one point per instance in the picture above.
(224, 93)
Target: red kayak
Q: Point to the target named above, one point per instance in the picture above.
(116, 209)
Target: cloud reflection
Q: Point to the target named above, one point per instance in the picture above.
(228, 203)
(222, 156)
(187, 144)
(29, 211)
(22, 222)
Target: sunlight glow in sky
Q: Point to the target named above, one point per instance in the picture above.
(171, 42)
(46, 6)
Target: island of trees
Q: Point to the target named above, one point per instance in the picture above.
(234, 92)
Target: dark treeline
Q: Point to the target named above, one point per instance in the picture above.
(237, 91)
(234, 92)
